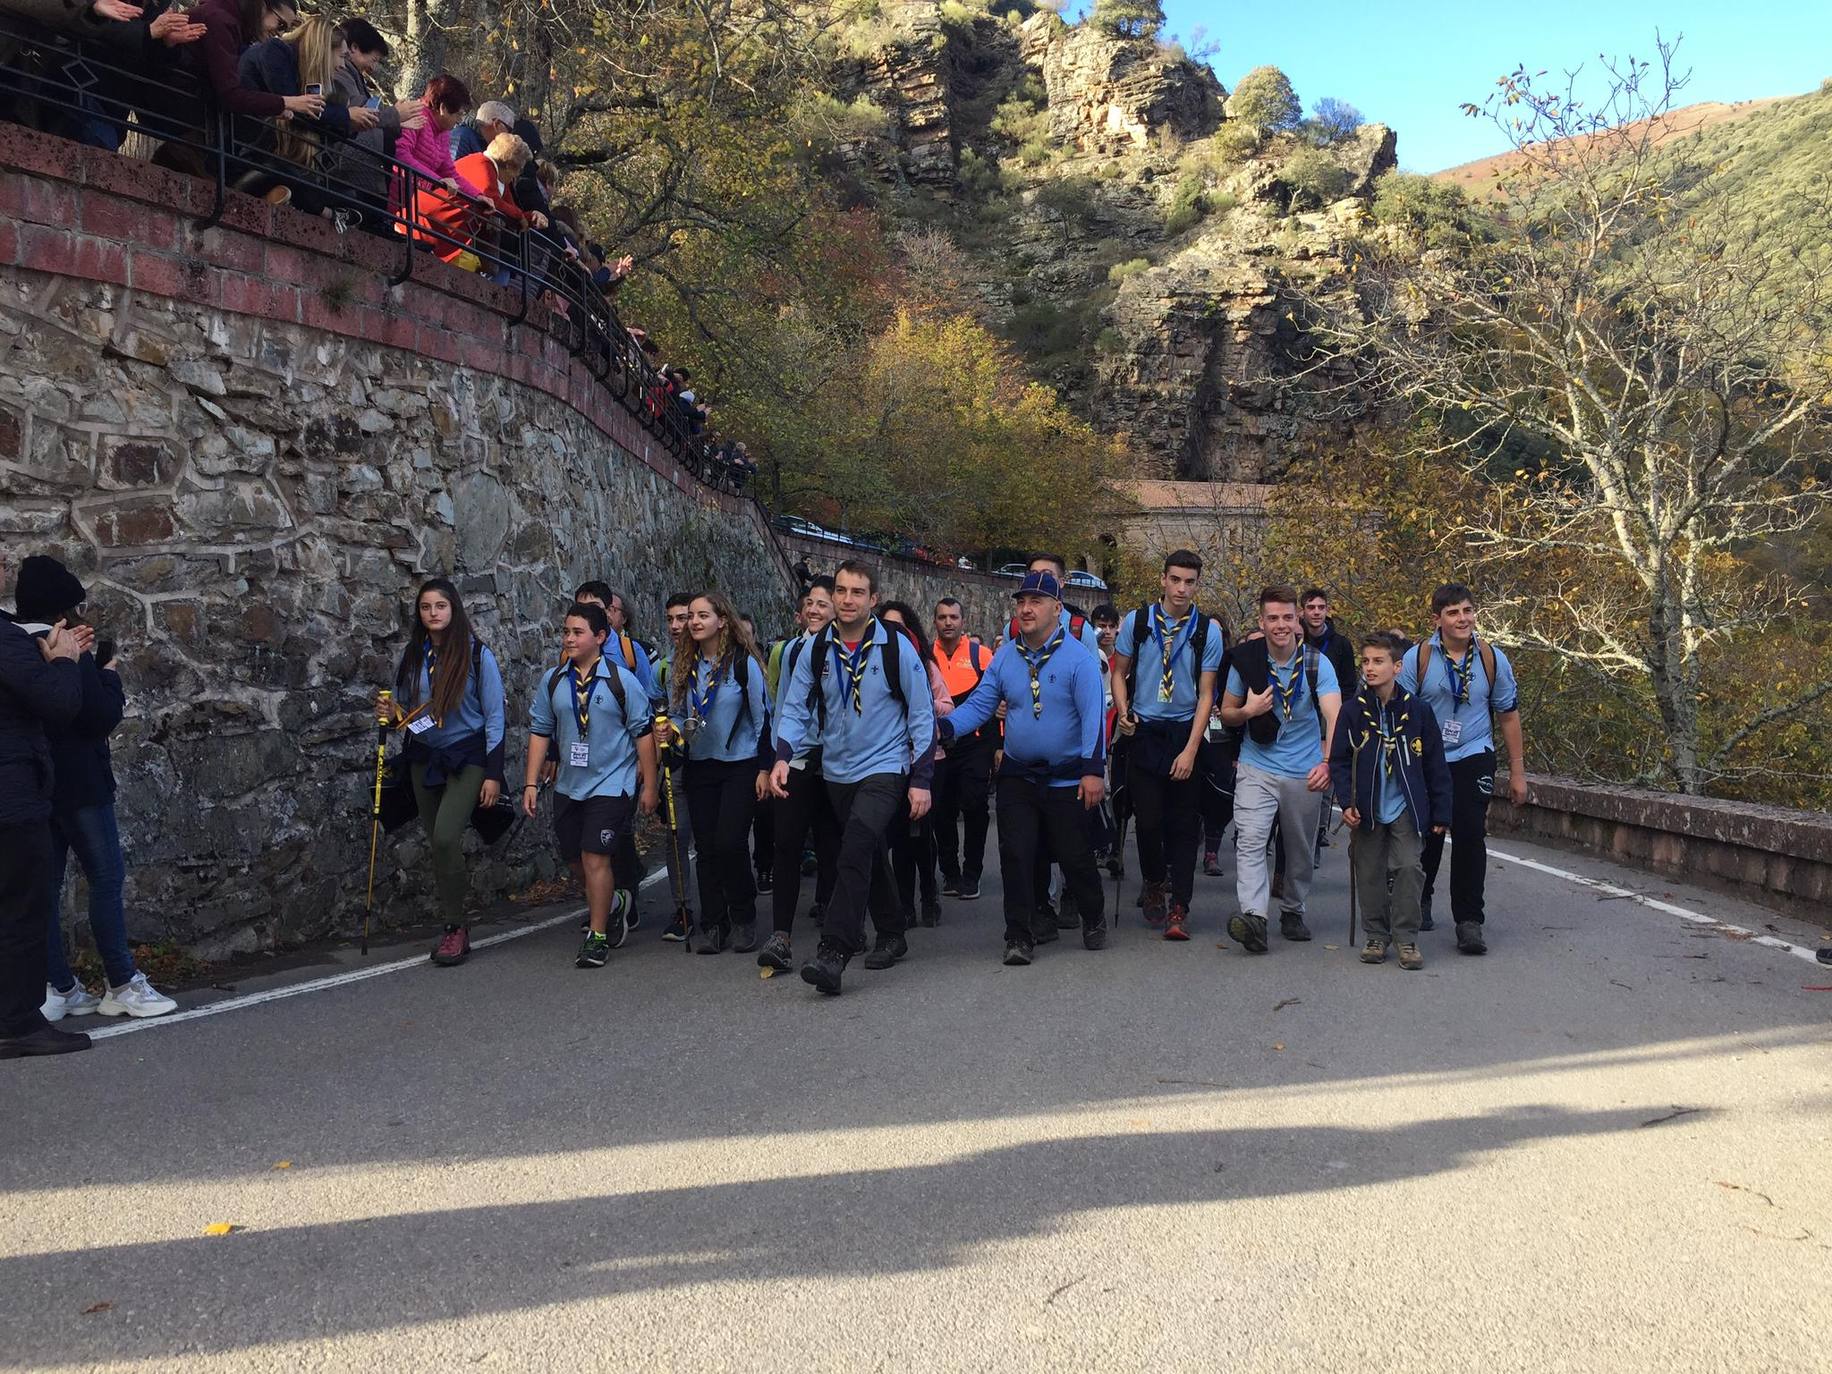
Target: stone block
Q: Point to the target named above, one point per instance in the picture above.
(240, 506)
(138, 463)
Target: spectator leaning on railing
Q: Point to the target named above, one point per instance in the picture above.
(305, 57)
(362, 166)
(474, 134)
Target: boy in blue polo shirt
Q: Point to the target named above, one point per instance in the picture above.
(1284, 695)
(1165, 659)
(1469, 685)
(1054, 768)
(597, 714)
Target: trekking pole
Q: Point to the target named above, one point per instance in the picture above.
(375, 810)
(678, 874)
(1354, 796)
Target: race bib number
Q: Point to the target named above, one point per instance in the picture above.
(1452, 731)
(581, 755)
(419, 725)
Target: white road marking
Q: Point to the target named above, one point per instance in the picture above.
(335, 980)
(1684, 913)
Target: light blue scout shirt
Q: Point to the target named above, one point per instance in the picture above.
(880, 737)
(1465, 724)
(481, 708)
(1185, 683)
(1299, 746)
(798, 646)
(1067, 741)
(731, 717)
(1389, 794)
(609, 769)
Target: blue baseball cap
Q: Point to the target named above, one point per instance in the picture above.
(1040, 584)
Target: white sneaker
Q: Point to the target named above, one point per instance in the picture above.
(137, 998)
(79, 1001)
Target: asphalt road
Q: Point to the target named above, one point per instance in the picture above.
(1602, 1147)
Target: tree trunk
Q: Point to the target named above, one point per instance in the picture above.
(426, 25)
(1673, 675)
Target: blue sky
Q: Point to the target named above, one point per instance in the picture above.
(1411, 64)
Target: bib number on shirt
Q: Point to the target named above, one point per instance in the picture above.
(419, 725)
(580, 755)
(1452, 732)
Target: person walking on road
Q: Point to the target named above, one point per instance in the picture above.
(721, 710)
(804, 813)
(449, 699)
(863, 693)
(1469, 685)
(1321, 634)
(1054, 769)
(1284, 694)
(1387, 768)
(1164, 664)
(963, 777)
(680, 879)
(593, 713)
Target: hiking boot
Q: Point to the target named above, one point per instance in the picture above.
(1211, 863)
(44, 1040)
(677, 928)
(823, 971)
(931, 913)
(1068, 916)
(970, 890)
(1825, 954)
(1017, 954)
(594, 953)
(1425, 921)
(137, 998)
(818, 914)
(766, 880)
(1094, 936)
(744, 937)
(950, 887)
(1374, 951)
(1044, 932)
(454, 947)
(712, 939)
(1249, 932)
(776, 953)
(1156, 900)
(1469, 938)
(1410, 958)
(79, 1001)
(809, 864)
(1175, 922)
(1046, 913)
(617, 927)
(887, 951)
(1292, 927)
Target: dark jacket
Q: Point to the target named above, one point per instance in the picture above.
(79, 750)
(1336, 647)
(273, 66)
(1422, 776)
(216, 58)
(33, 694)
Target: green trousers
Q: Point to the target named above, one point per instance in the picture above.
(446, 811)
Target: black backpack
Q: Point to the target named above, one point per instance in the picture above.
(614, 677)
(1253, 661)
(1141, 622)
(741, 674)
(892, 662)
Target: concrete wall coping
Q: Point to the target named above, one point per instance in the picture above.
(1772, 829)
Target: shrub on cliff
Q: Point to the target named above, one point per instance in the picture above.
(1188, 204)
(1315, 178)
(1265, 100)
(1437, 213)
(1128, 18)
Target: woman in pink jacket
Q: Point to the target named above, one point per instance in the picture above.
(913, 844)
(428, 149)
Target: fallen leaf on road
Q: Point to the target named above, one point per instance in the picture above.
(95, 1307)
(1332, 946)
(766, 972)
(1279, 1048)
(284, 1164)
(219, 1228)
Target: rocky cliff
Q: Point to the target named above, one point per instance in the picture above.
(1136, 243)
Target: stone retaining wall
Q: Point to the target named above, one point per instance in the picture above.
(985, 599)
(252, 449)
(1765, 853)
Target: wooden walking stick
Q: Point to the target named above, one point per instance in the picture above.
(665, 732)
(375, 810)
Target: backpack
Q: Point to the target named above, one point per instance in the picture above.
(1141, 619)
(741, 674)
(627, 647)
(893, 674)
(1488, 666)
(1253, 661)
(615, 679)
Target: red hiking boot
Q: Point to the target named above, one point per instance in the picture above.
(1174, 923)
(454, 946)
(1156, 895)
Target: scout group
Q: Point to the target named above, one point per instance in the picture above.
(866, 754)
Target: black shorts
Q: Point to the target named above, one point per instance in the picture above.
(591, 826)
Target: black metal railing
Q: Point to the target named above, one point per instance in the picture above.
(98, 92)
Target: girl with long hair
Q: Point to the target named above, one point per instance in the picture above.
(720, 706)
(290, 65)
(913, 844)
(449, 700)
